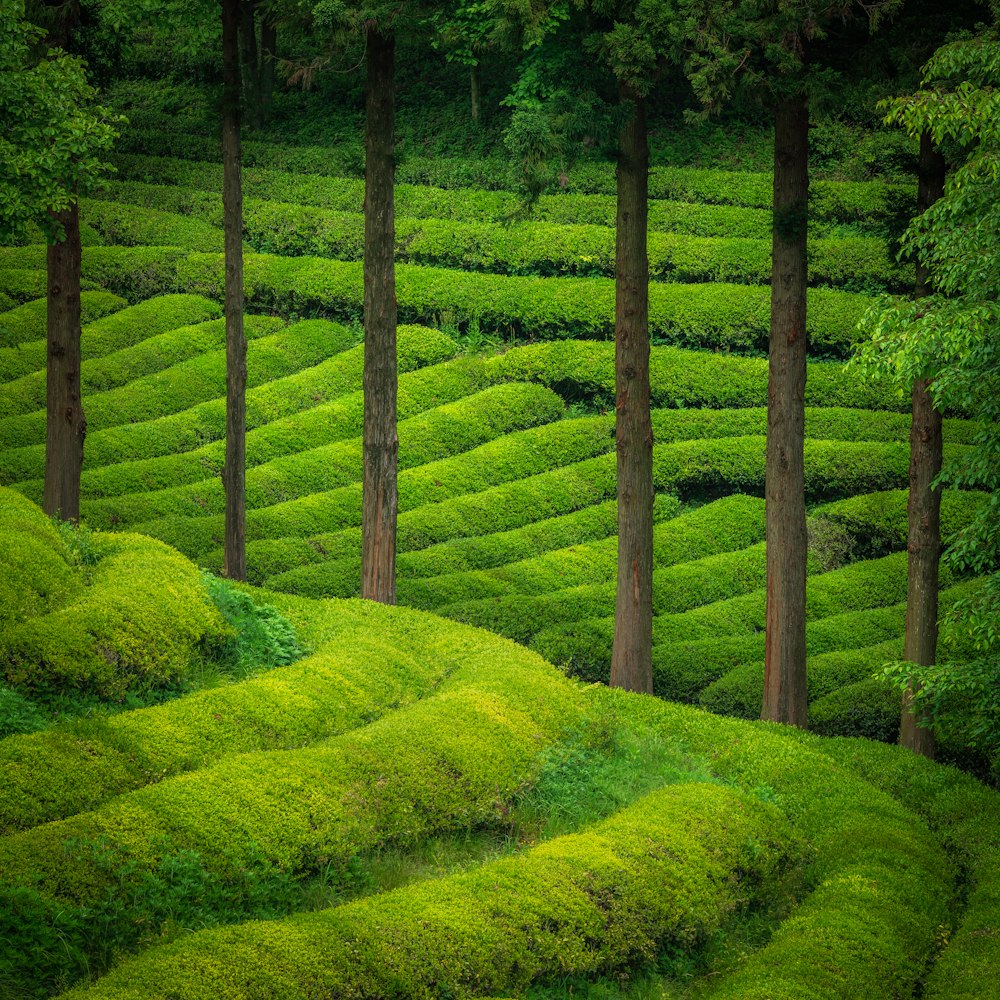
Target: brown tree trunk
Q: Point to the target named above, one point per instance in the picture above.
(66, 426)
(924, 504)
(785, 641)
(251, 64)
(381, 442)
(234, 473)
(268, 54)
(632, 650)
(474, 91)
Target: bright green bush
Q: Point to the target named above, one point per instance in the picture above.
(682, 378)
(138, 624)
(286, 397)
(366, 660)
(530, 248)
(140, 225)
(324, 423)
(433, 435)
(112, 371)
(690, 468)
(37, 570)
(586, 645)
(836, 200)
(669, 869)
(273, 352)
(726, 317)
(22, 331)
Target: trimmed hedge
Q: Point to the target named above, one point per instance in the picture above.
(586, 645)
(728, 317)
(22, 331)
(366, 660)
(192, 187)
(273, 352)
(506, 460)
(112, 371)
(842, 201)
(530, 248)
(138, 624)
(37, 570)
(682, 378)
(290, 396)
(667, 871)
(697, 469)
(431, 436)
(323, 423)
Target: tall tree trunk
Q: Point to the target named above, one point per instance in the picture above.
(268, 55)
(66, 426)
(785, 641)
(251, 64)
(234, 473)
(923, 507)
(632, 651)
(474, 91)
(381, 442)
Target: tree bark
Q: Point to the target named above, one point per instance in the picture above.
(632, 650)
(251, 64)
(474, 91)
(381, 442)
(66, 426)
(785, 642)
(234, 472)
(268, 54)
(924, 504)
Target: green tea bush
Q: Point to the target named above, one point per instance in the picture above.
(671, 868)
(113, 371)
(719, 316)
(138, 624)
(22, 331)
(273, 352)
(323, 423)
(189, 429)
(682, 378)
(36, 567)
(432, 436)
(135, 225)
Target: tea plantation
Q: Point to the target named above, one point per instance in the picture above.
(277, 790)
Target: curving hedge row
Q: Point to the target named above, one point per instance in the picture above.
(192, 188)
(696, 468)
(323, 423)
(112, 371)
(843, 201)
(273, 352)
(138, 623)
(586, 645)
(530, 248)
(684, 378)
(287, 397)
(506, 460)
(22, 331)
(668, 870)
(730, 317)
(433, 436)
(366, 661)
(36, 567)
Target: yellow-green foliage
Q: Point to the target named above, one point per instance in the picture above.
(668, 870)
(137, 624)
(367, 660)
(36, 572)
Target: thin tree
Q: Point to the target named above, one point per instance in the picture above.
(380, 438)
(52, 138)
(923, 507)
(234, 472)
